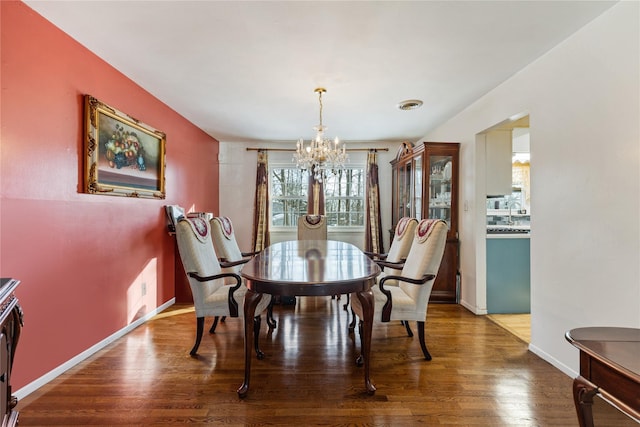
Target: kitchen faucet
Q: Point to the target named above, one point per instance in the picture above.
(511, 203)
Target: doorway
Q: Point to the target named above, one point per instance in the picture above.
(506, 225)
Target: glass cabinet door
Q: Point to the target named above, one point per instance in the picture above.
(402, 202)
(417, 188)
(440, 180)
(405, 191)
(396, 195)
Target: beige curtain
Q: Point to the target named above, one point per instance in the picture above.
(261, 204)
(373, 226)
(315, 198)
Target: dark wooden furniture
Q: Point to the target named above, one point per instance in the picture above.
(425, 185)
(609, 366)
(309, 268)
(10, 327)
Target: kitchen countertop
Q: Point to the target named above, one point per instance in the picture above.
(508, 231)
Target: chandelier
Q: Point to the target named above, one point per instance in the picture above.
(320, 154)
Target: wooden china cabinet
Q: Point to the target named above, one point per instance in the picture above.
(425, 185)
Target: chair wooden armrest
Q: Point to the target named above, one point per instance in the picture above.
(250, 253)
(386, 309)
(224, 263)
(397, 265)
(375, 255)
(233, 304)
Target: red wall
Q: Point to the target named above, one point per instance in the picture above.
(81, 258)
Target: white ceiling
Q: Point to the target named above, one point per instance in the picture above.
(246, 71)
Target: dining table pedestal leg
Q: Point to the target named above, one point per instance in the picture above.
(251, 300)
(367, 302)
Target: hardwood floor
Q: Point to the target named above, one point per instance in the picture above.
(518, 324)
(480, 375)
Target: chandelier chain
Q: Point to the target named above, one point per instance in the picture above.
(320, 101)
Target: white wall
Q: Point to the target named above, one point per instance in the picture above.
(583, 100)
(237, 186)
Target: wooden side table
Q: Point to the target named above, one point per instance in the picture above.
(609, 366)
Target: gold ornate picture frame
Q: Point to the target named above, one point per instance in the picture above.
(123, 157)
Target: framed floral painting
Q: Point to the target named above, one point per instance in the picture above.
(123, 157)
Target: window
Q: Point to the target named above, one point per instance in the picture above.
(343, 192)
(288, 195)
(344, 197)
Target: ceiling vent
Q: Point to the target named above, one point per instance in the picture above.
(410, 104)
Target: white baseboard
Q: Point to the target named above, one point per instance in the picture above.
(472, 308)
(34, 385)
(552, 360)
(532, 348)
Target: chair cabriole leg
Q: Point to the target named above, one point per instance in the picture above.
(214, 325)
(199, 330)
(360, 358)
(408, 327)
(270, 320)
(257, 321)
(352, 324)
(427, 356)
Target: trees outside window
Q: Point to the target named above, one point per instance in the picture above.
(344, 196)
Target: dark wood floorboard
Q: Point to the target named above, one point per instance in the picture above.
(480, 375)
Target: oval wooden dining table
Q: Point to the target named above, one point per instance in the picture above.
(309, 268)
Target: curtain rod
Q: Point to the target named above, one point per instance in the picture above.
(293, 149)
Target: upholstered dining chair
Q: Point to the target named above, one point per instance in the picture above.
(410, 298)
(312, 227)
(211, 296)
(225, 243)
(228, 251)
(400, 246)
